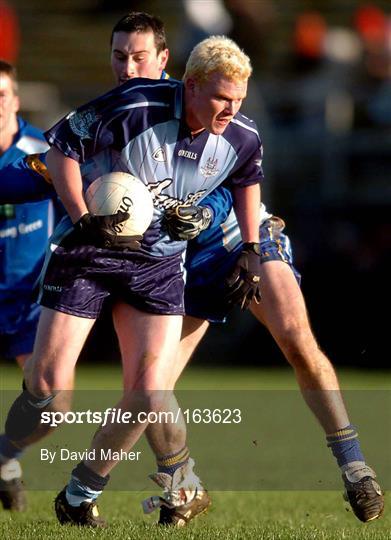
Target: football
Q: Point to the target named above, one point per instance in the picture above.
(121, 191)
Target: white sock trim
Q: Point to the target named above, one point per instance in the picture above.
(10, 470)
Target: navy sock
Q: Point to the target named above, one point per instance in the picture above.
(85, 485)
(345, 445)
(8, 450)
(170, 463)
(24, 415)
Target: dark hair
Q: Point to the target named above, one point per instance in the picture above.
(10, 70)
(139, 21)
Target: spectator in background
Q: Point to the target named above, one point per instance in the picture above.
(254, 23)
(372, 89)
(9, 31)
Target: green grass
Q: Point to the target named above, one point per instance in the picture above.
(274, 515)
(242, 515)
(204, 378)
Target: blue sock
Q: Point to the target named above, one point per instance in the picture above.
(85, 485)
(345, 445)
(8, 450)
(169, 464)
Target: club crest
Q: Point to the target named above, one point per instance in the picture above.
(80, 122)
(210, 168)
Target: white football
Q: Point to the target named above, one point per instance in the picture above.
(121, 191)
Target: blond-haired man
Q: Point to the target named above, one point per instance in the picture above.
(198, 130)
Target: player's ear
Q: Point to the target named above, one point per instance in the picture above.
(16, 103)
(163, 57)
(190, 85)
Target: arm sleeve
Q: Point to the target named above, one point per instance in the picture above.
(220, 203)
(20, 183)
(92, 127)
(250, 172)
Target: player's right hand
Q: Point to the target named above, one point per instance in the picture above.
(100, 231)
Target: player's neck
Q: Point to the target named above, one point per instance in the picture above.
(197, 132)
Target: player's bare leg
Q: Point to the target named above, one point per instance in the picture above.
(12, 492)
(147, 343)
(282, 310)
(163, 439)
(21, 359)
(168, 442)
(47, 374)
(48, 371)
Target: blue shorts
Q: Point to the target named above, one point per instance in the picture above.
(78, 279)
(18, 338)
(204, 291)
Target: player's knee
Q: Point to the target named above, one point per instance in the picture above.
(299, 346)
(147, 400)
(44, 383)
(24, 415)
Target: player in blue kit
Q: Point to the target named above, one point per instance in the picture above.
(24, 231)
(204, 141)
(211, 256)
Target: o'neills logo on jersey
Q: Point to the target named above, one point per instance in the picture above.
(52, 288)
(187, 154)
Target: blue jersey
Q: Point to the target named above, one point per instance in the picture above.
(221, 237)
(28, 140)
(26, 180)
(139, 128)
(24, 231)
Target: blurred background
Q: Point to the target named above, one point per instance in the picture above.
(321, 96)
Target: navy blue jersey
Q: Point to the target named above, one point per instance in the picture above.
(139, 128)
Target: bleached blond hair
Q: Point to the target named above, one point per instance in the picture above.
(218, 54)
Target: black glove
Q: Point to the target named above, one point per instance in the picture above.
(100, 231)
(186, 222)
(243, 283)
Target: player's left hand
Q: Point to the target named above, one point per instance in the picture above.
(243, 283)
(100, 231)
(186, 222)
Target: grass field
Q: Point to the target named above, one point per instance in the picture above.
(273, 515)
(268, 515)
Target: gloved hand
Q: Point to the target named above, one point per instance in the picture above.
(186, 222)
(100, 231)
(243, 283)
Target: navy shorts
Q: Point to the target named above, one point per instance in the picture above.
(205, 293)
(78, 279)
(19, 335)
